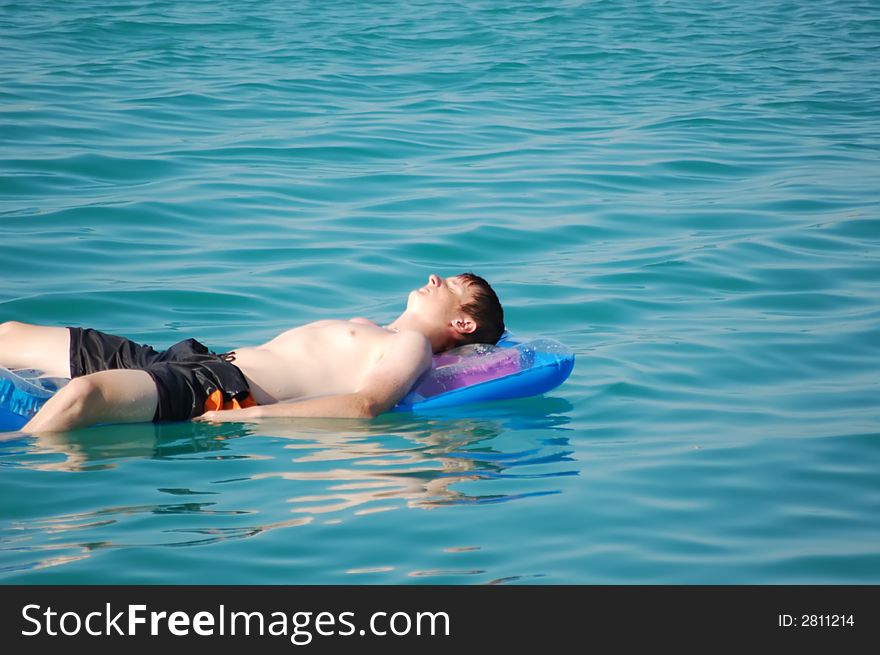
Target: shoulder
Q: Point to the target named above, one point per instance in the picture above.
(411, 341)
(404, 357)
(409, 348)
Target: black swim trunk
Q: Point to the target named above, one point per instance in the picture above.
(186, 374)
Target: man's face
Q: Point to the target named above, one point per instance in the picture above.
(440, 299)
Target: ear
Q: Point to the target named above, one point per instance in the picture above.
(464, 325)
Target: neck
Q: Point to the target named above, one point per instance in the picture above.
(439, 340)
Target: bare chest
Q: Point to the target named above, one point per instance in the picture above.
(321, 358)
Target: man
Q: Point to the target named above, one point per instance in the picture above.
(331, 368)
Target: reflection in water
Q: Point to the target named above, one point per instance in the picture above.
(335, 469)
(102, 447)
(421, 460)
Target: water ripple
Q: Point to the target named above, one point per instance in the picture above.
(684, 194)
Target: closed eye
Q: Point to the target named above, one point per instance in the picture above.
(457, 287)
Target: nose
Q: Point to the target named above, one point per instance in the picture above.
(434, 280)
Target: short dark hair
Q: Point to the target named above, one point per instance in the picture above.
(485, 309)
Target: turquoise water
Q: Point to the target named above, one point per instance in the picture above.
(686, 195)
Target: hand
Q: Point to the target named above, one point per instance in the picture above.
(224, 416)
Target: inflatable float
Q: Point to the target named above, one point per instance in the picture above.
(22, 393)
(474, 373)
(480, 372)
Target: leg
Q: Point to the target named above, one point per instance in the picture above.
(117, 396)
(35, 346)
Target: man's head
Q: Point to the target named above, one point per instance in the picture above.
(457, 310)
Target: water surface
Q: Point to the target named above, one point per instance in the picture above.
(685, 195)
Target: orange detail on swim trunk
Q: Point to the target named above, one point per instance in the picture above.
(215, 402)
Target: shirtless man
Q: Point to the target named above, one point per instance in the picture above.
(331, 368)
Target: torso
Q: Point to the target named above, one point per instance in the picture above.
(317, 359)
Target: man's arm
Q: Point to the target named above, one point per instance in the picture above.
(407, 356)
